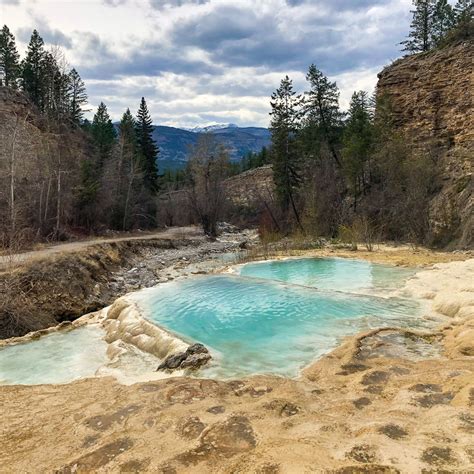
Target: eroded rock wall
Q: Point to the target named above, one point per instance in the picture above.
(432, 101)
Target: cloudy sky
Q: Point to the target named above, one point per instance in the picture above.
(212, 61)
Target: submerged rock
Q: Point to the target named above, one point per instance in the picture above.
(193, 358)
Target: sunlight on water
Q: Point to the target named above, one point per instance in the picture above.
(278, 316)
(56, 358)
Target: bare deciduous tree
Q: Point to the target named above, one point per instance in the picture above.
(208, 167)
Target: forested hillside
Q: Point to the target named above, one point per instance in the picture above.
(396, 165)
(175, 143)
(61, 174)
(379, 171)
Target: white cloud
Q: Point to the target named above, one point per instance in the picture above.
(195, 59)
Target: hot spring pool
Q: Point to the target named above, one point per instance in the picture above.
(276, 317)
(55, 358)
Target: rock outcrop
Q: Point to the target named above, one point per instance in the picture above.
(250, 188)
(432, 100)
(192, 358)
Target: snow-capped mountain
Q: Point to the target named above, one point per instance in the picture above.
(211, 127)
(175, 143)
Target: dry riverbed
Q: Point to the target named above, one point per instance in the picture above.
(384, 401)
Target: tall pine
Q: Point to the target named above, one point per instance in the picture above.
(357, 144)
(9, 59)
(147, 147)
(128, 172)
(77, 96)
(32, 68)
(442, 22)
(421, 28)
(103, 134)
(322, 115)
(284, 126)
(53, 87)
(464, 22)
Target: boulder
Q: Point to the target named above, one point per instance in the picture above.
(193, 358)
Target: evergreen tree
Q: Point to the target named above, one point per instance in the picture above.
(9, 59)
(103, 134)
(443, 21)
(323, 118)
(421, 32)
(128, 171)
(53, 87)
(357, 143)
(77, 96)
(147, 147)
(127, 135)
(284, 126)
(464, 22)
(32, 70)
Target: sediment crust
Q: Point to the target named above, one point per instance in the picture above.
(125, 322)
(361, 408)
(91, 318)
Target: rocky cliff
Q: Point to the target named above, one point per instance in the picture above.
(432, 100)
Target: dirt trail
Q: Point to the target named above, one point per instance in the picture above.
(71, 247)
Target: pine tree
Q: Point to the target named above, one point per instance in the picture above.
(128, 172)
(9, 59)
(52, 84)
(464, 22)
(321, 111)
(147, 147)
(103, 134)
(443, 21)
(421, 33)
(284, 126)
(357, 143)
(77, 96)
(32, 70)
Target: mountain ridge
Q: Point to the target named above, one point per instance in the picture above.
(175, 143)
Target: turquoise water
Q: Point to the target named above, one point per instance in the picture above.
(335, 274)
(56, 358)
(276, 317)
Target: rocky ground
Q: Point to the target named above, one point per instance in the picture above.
(383, 402)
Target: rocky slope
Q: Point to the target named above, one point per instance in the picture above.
(432, 100)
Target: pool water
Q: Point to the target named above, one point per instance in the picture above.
(276, 317)
(56, 358)
(335, 274)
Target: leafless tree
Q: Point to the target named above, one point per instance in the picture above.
(209, 166)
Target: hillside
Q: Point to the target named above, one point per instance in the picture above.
(174, 143)
(431, 97)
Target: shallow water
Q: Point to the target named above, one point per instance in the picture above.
(335, 274)
(56, 358)
(276, 317)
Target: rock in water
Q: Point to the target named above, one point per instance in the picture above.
(193, 358)
(195, 361)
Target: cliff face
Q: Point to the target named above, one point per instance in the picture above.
(432, 100)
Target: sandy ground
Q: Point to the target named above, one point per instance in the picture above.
(384, 401)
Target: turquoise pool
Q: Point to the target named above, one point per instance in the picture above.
(276, 317)
(59, 357)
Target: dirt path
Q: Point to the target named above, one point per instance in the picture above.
(68, 247)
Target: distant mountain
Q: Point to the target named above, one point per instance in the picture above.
(174, 143)
(212, 128)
